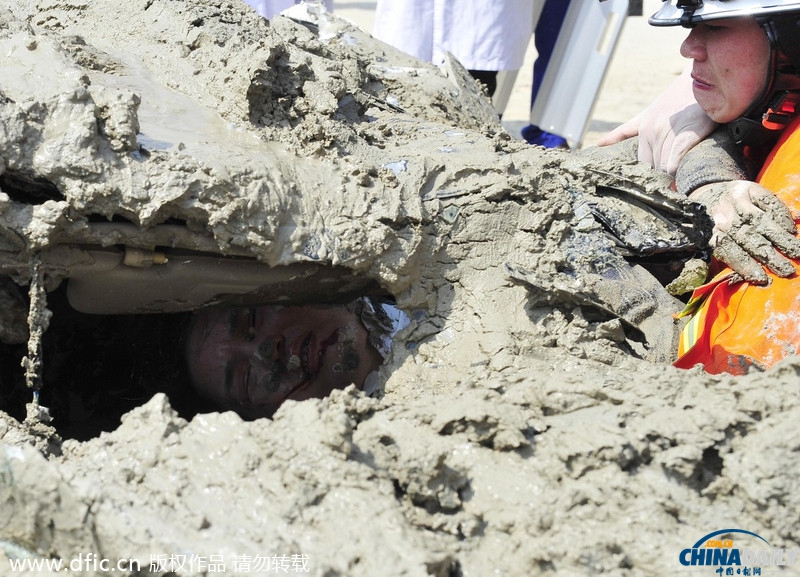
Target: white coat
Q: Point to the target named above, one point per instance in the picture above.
(269, 8)
(482, 34)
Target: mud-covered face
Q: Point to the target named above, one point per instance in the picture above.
(250, 360)
(731, 66)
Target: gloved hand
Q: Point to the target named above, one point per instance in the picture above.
(668, 128)
(750, 223)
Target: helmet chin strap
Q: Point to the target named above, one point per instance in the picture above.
(760, 136)
(777, 106)
(764, 131)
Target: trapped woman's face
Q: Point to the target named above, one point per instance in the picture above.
(252, 359)
(731, 63)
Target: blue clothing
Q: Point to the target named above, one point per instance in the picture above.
(544, 38)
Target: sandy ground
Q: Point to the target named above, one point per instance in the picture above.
(529, 423)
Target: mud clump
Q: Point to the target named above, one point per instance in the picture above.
(521, 429)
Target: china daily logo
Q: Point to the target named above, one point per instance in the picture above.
(721, 554)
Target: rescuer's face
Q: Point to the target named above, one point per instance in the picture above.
(731, 62)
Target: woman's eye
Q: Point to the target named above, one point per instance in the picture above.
(247, 374)
(251, 324)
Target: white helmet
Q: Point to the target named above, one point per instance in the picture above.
(780, 19)
(687, 13)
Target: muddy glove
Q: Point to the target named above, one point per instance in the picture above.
(750, 223)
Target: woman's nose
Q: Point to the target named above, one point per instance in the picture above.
(270, 349)
(694, 45)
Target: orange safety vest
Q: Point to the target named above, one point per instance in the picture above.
(739, 326)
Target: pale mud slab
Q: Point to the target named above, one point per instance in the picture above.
(518, 434)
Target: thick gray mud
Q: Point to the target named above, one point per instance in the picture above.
(522, 427)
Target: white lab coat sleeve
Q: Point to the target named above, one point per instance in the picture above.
(482, 34)
(407, 25)
(270, 8)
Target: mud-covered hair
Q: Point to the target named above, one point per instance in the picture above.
(98, 367)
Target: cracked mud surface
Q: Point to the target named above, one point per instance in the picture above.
(518, 434)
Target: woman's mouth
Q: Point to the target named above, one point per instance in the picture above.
(308, 362)
(314, 355)
(699, 82)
